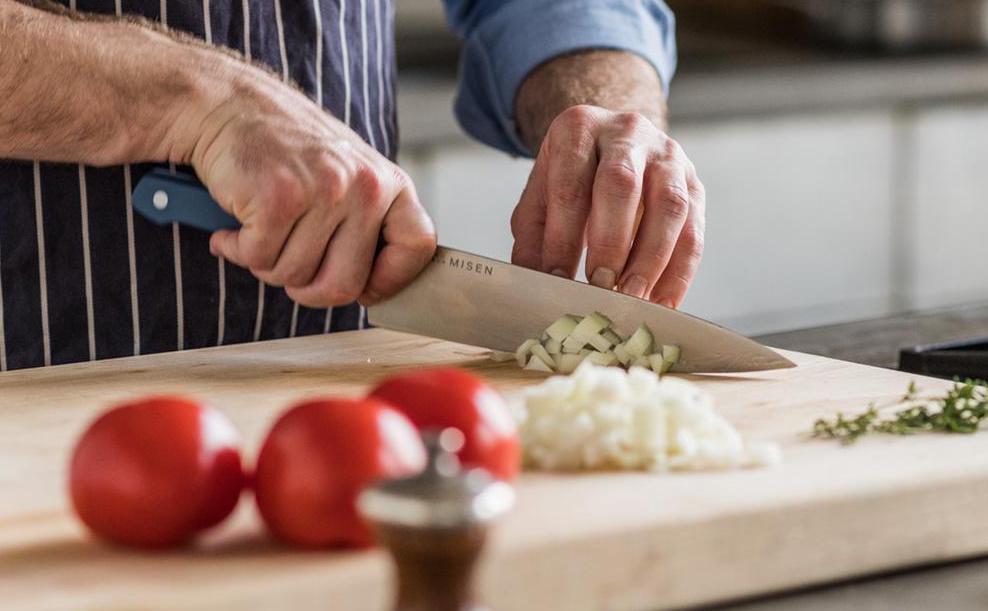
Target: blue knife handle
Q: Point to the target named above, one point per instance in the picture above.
(164, 197)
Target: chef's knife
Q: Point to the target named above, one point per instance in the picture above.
(466, 298)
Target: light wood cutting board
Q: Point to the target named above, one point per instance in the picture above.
(574, 543)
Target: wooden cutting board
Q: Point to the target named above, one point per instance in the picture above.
(600, 541)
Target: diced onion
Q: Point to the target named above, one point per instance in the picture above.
(640, 342)
(524, 350)
(562, 328)
(605, 418)
(540, 352)
(572, 339)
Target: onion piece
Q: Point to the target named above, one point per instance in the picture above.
(604, 359)
(611, 336)
(539, 352)
(587, 328)
(524, 350)
(670, 354)
(536, 364)
(562, 328)
(640, 342)
(572, 345)
(622, 355)
(569, 362)
(601, 343)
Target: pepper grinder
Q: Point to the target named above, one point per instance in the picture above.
(435, 524)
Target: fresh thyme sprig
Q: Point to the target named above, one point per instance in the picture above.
(964, 409)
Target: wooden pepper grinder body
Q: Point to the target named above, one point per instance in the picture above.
(435, 567)
(435, 525)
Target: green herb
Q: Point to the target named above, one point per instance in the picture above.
(910, 391)
(964, 409)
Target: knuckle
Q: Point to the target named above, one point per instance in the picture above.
(674, 150)
(610, 244)
(674, 200)
(269, 278)
(401, 179)
(621, 175)
(555, 242)
(341, 292)
(693, 243)
(347, 293)
(572, 199)
(580, 117)
(295, 277)
(256, 259)
(331, 178)
(699, 190)
(368, 185)
(558, 247)
(424, 241)
(631, 121)
(650, 260)
(287, 197)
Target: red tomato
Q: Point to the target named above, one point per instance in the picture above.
(318, 457)
(448, 397)
(155, 472)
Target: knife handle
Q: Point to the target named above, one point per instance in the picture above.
(165, 197)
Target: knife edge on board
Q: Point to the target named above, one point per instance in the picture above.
(470, 299)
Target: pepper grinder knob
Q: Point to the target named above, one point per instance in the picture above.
(435, 525)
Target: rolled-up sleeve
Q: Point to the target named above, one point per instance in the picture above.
(504, 40)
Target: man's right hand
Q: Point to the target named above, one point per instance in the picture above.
(312, 197)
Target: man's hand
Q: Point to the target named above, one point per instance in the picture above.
(608, 180)
(311, 196)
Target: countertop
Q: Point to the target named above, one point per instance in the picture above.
(953, 587)
(877, 342)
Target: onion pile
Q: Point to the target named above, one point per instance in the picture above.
(606, 418)
(572, 339)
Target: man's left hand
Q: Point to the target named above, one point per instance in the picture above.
(615, 183)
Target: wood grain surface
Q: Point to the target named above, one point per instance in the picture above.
(603, 541)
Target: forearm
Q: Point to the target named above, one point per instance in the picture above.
(101, 91)
(615, 80)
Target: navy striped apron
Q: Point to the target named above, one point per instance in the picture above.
(83, 278)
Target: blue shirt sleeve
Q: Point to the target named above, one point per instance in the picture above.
(504, 40)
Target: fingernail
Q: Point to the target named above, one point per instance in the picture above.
(634, 286)
(665, 301)
(602, 277)
(560, 273)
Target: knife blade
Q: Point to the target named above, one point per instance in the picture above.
(466, 298)
(470, 299)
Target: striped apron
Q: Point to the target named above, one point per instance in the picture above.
(83, 278)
